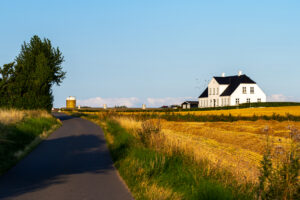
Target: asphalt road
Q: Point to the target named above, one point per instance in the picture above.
(72, 163)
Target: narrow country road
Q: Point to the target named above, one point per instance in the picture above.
(72, 163)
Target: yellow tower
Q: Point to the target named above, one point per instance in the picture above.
(71, 102)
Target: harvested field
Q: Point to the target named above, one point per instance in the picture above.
(237, 147)
(268, 111)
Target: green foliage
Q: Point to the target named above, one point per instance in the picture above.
(15, 137)
(26, 83)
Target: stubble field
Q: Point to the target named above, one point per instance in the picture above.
(233, 150)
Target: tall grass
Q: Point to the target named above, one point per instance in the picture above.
(279, 177)
(20, 131)
(152, 173)
(11, 116)
(232, 154)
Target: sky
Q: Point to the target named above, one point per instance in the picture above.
(159, 52)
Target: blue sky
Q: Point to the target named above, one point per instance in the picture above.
(159, 52)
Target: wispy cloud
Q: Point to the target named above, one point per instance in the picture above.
(281, 97)
(132, 101)
(99, 101)
(157, 102)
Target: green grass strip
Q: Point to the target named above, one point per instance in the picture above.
(17, 140)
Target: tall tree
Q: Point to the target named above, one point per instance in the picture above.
(27, 83)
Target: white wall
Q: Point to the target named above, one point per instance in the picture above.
(203, 102)
(238, 93)
(213, 93)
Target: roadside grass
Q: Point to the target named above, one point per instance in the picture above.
(162, 159)
(12, 116)
(154, 174)
(18, 138)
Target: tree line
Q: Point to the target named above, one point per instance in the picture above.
(26, 83)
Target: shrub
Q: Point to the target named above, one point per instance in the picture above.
(279, 180)
(150, 128)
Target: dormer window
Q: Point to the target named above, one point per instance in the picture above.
(244, 90)
(251, 90)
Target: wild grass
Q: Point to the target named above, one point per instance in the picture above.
(234, 149)
(11, 116)
(237, 147)
(20, 132)
(151, 173)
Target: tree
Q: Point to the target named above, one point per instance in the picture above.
(27, 82)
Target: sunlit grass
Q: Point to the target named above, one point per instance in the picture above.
(237, 147)
(20, 132)
(11, 116)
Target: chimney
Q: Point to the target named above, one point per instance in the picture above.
(240, 73)
(223, 74)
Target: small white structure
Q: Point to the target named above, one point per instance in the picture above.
(189, 104)
(230, 91)
(104, 106)
(144, 106)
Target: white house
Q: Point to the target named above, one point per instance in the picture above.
(230, 91)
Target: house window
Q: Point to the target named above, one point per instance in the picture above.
(209, 91)
(217, 102)
(248, 100)
(213, 91)
(251, 90)
(259, 100)
(244, 90)
(217, 91)
(237, 101)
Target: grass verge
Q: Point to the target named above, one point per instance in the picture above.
(18, 139)
(153, 174)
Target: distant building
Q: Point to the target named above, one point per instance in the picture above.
(165, 107)
(71, 102)
(189, 104)
(230, 91)
(144, 106)
(174, 106)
